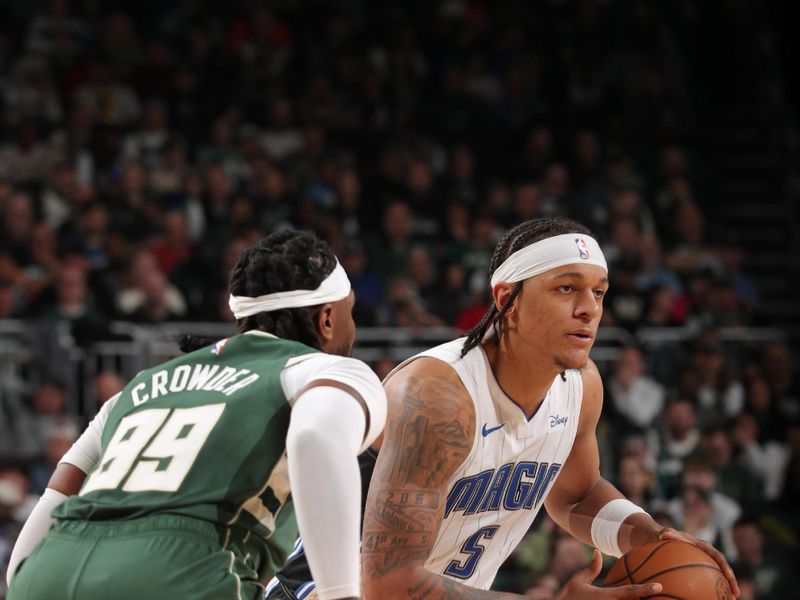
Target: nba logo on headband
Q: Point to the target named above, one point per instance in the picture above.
(583, 249)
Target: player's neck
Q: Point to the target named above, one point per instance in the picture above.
(521, 375)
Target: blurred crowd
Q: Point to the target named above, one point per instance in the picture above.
(143, 147)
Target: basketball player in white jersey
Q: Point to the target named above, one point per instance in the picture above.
(484, 431)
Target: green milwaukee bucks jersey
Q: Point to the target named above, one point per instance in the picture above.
(202, 436)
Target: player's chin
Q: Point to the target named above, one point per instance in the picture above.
(574, 359)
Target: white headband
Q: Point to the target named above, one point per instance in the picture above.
(335, 286)
(550, 253)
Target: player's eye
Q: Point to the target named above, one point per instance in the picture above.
(599, 293)
(565, 288)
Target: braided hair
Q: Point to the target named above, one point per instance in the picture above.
(524, 234)
(283, 261)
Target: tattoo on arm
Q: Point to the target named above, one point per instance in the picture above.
(429, 434)
(424, 443)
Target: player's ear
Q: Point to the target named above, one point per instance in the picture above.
(500, 295)
(323, 322)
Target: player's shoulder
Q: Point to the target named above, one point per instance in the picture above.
(428, 383)
(323, 360)
(592, 400)
(590, 374)
(424, 368)
(319, 365)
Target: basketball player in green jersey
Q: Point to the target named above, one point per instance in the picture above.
(177, 487)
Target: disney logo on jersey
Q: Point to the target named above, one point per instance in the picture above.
(583, 249)
(557, 421)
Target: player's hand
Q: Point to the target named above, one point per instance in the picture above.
(580, 587)
(682, 536)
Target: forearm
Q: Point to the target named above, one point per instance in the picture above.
(577, 518)
(322, 444)
(65, 481)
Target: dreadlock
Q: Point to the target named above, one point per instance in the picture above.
(524, 234)
(283, 261)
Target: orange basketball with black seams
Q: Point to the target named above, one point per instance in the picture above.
(684, 571)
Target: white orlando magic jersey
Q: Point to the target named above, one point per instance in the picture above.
(494, 496)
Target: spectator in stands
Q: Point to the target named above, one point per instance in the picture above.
(120, 41)
(112, 103)
(61, 196)
(767, 460)
(760, 405)
(27, 159)
(355, 218)
(282, 139)
(32, 94)
(43, 263)
(16, 229)
(674, 443)
(148, 144)
(790, 497)
(625, 240)
(637, 398)
(568, 556)
(389, 251)
(422, 195)
(734, 479)
(635, 481)
(653, 272)
(777, 361)
(134, 210)
(59, 437)
(771, 568)
(74, 303)
(449, 298)
(107, 384)
(422, 271)
(719, 392)
(624, 305)
(700, 505)
(148, 295)
(555, 198)
(665, 308)
(365, 284)
(538, 152)
(10, 301)
(406, 308)
(478, 254)
(88, 234)
(11, 498)
(173, 247)
(526, 202)
(689, 253)
(168, 177)
(694, 513)
(461, 184)
(274, 195)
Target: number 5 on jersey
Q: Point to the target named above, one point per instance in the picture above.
(472, 547)
(154, 448)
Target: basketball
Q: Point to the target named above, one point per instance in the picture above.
(684, 571)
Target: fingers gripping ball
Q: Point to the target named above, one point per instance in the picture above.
(684, 571)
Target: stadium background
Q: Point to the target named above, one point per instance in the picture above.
(143, 145)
